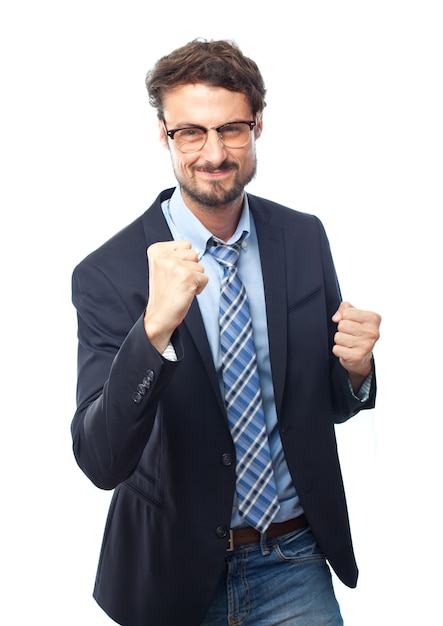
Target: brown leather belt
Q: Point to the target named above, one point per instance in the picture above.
(241, 536)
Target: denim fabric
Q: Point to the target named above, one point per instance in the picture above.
(281, 581)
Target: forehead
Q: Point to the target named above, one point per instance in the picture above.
(204, 104)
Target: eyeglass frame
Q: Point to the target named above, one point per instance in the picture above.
(170, 133)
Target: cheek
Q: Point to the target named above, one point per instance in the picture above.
(248, 159)
(182, 163)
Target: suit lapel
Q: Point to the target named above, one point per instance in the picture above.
(156, 229)
(272, 255)
(194, 324)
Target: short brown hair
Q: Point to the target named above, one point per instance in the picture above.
(219, 63)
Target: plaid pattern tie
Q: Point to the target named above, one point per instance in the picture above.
(257, 494)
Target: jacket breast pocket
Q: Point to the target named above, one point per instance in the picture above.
(306, 299)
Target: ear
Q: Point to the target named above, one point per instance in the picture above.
(162, 134)
(259, 126)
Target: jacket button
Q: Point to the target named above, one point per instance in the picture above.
(221, 531)
(137, 397)
(150, 375)
(227, 459)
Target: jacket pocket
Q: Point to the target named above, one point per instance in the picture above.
(305, 299)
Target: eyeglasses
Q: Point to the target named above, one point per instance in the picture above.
(192, 138)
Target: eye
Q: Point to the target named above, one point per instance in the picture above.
(232, 129)
(190, 133)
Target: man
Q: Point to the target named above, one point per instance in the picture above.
(216, 520)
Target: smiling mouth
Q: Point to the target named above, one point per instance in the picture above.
(217, 171)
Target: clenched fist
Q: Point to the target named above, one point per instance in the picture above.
(357, 333)
(175, 278)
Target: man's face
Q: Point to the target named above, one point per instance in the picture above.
(215, 176)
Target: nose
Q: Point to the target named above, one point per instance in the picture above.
(214, 151)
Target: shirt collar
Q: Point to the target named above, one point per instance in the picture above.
(184, 224)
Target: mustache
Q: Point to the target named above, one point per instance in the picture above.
(226, 165)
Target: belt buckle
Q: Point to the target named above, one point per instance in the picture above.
(230, 547)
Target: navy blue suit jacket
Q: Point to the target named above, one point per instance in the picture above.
(167, 453)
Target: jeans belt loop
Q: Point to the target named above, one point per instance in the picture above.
(230, 547)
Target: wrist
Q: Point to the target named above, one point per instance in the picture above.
(157, 334)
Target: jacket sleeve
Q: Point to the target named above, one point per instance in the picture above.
(121, 377)
(345, 403)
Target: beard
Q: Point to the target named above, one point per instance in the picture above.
(218, 194)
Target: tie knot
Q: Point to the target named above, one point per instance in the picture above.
(226, 254)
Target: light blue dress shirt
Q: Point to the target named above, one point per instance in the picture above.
(184, 225)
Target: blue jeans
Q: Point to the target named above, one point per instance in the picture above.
(284, 581)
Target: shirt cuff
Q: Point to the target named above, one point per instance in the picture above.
(363, 393)
(169, 353)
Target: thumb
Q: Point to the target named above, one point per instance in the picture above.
(338, 315)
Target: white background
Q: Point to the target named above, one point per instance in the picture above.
(353, 133)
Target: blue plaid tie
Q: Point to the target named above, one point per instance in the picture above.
(257, 494)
